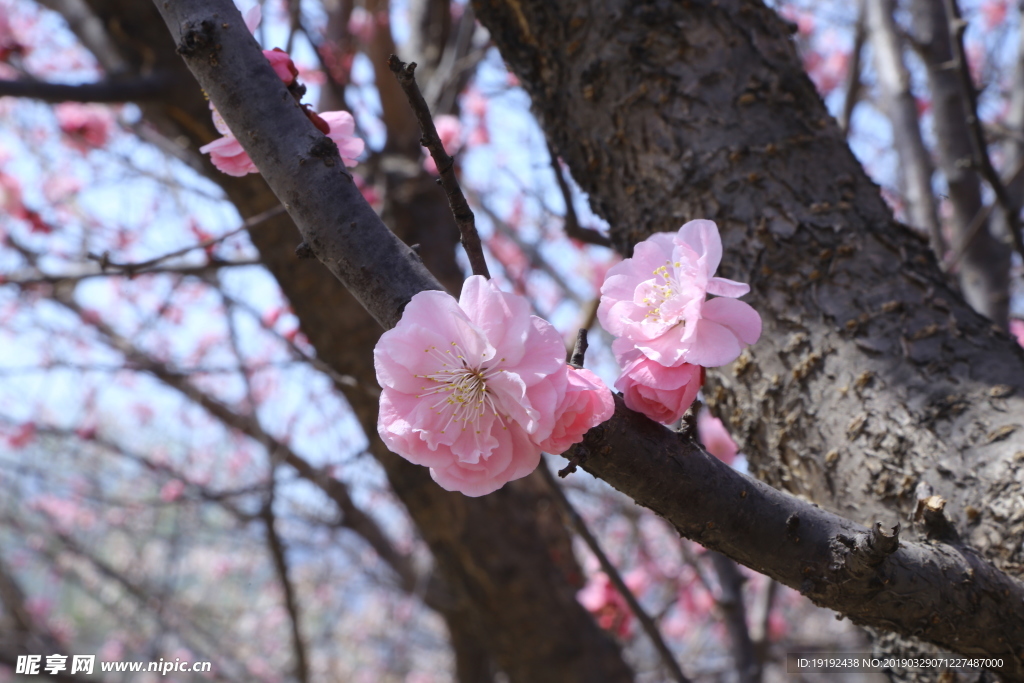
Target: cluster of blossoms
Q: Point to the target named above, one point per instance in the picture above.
(227, 153)
(667, 331)
(475, 389)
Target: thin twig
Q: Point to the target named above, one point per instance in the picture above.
(277, 553)
(201, 270)
(645, 620)
(982, 161)
(133, 268)
(406, 76)
(573, 229)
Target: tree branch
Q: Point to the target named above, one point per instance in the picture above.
(277, 553)
(406, 75)
(957, 26)
(573, 229)
(901, 110)
(134, 90)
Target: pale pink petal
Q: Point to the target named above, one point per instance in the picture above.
(738, 316)
(715, 437)
(252, 17)
(702, 236)
(720, 286)
(713, 345)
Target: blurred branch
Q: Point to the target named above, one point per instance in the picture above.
(650, 628)
(734, 614)
(854, 84)
(406, 76)
(201, 270)
(573, 229)
(901, 109)
(132, 90)
(277, 553)
(957, 26)
(353, 517)
(132, 268)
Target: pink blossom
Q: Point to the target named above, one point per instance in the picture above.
(1017, 330)
(86, 126)
(609, 607)
(343, 132)
(715, 437)
(470, 386)
(661, 393)
(656, 300)
(282, 64)
(587, 403)
(229, 157)
(172, 490)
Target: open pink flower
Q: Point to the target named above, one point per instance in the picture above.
(470, 386)
(656, 299)
(659, 392)
(587, 403)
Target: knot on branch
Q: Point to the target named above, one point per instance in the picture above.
(196, 37)
(863, 553)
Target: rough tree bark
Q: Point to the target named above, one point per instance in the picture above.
(873, 380)
(938, 589)
(502, 559)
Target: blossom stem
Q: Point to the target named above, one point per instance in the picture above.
(406, 75)
(580, 350)
(650, 628)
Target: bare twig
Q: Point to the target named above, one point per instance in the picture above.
(650, 628)
(133, 268)
(201, 270)
(406, 75)
(573, 229)
(957, 26)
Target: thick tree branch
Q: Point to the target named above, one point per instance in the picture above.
(135, 90)
(918, 588)
(943, 593)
